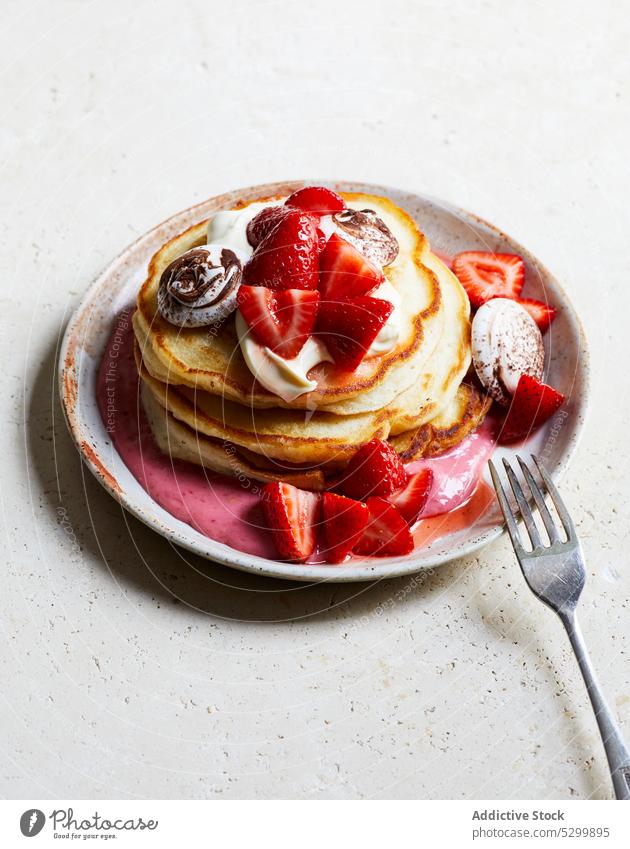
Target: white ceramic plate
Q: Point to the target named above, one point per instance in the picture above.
(450, 230)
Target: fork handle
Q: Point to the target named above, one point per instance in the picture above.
(616, 750)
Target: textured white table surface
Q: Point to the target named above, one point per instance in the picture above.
(131, 669)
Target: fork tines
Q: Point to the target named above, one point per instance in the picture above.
(538, 493)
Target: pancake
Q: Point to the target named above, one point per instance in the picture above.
(212, 362)
(463, 414)
(178, 441)
(428, 387)
(320, 436)
(205, 406)
(289, 435)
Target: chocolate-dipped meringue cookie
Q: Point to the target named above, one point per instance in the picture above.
(506, 343)
(200, 286)
(369, 234)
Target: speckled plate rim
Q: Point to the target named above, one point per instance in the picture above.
(71, 388)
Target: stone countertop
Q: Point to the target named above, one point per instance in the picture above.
(133, 669)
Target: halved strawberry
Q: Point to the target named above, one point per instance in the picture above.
(288, 256)
(292, 516)
(411, 500)
(487, 275)
(533, 403)
(386, 533)
(262, 224)
(344, 272)
(350, 326)
(543, 314)
(344, 522)
(281, 320)
(375, 469)
(316, 199)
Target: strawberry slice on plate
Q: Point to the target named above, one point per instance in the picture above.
(344, 272)
(262, 224)
(350, 326)
(387, 533)
(281, 320)
(375, 469)
(543, 314)
(487, 275)
(288, 256)
(316, 199)
(344, 522)
(533, 403)
(412, 498)
(292, 516)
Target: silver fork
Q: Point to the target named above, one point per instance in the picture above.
(555, 574)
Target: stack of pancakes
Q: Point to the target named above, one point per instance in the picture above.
(205, 406)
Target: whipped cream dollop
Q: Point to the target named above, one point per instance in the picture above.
(288, 378)
(389, 333)
(229, 228)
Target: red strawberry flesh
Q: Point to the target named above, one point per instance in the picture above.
(487, 275)
(317, 199)
(281, 320)
(262, 224)
(387, 533)
(349, 327)
(345, 272)
(375, 469)
(288, 256)
(542, 313)
(344, 521)
(292, 516)
(532, 405)
(412, 498)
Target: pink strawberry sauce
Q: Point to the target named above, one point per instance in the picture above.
(219, 507)
(456, 472)
(228, 510)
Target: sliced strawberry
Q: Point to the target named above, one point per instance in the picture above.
(349, 327)
(411, 500)
(344, 522)
(288, 256)
(488, 275)
(533, 403)
(375, 469)
(542, 313)
(345, 272)
(292, 516)
(281, 320)
(262, 224)
(387, 533)
(316, 199)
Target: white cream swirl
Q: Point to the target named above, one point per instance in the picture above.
(229, 228)
(286, 378)
(389, 333)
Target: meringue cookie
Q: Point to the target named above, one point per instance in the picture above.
(506, 343)
(369, 234)
(200, 287)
